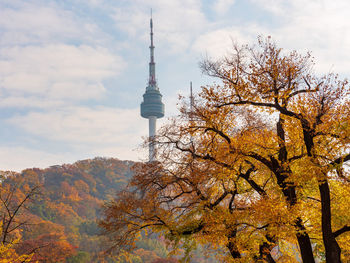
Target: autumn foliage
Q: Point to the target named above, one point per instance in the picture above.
(57, 220)
(49, 215)
(256, 168)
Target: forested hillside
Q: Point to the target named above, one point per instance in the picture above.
(58, 221)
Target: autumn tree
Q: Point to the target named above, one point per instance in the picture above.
(24, 236)
(257, 164)
(49, 248)
(8, 254)
(15, 196)
(13, 202)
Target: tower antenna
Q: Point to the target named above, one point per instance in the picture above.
(191, 97)
(191, 110)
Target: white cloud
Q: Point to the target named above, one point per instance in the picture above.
(218, 43)
(87, 129)
(94, 3)
(19, 158)
(21, 102)
(56, 72)
(50, 55)
(84, 132)
(322, 27)
(32, 22)
(276, 7)
(222, 6)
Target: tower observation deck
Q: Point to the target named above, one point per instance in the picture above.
(152, 107)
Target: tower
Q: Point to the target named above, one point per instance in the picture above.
(152, 107)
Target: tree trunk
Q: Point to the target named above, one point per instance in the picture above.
(332, 248)
(233, 250)
(302, 236)
(282, 171)
(331, 245)
(304, 244)
(232, 247)
(265, 254)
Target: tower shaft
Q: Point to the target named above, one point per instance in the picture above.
(152, 122)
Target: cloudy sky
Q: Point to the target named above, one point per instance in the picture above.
(72, 72)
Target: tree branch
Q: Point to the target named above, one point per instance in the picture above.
(341, 231)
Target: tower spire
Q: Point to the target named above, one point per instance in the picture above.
(191, 98)
(152, 82)
(191, 109)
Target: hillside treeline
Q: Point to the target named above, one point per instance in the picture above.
(50, 215)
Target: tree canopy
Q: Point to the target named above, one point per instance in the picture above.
(256, 167)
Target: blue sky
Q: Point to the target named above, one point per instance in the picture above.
(72, 73)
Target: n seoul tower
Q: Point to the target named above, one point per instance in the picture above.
(152, 107)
